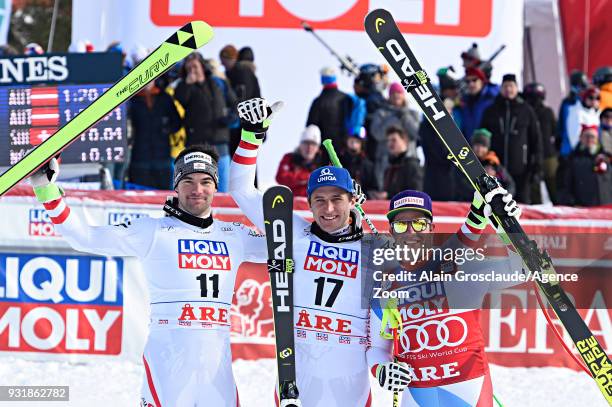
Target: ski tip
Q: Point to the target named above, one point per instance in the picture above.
(202, 32)
(375, 19)
(192, 35)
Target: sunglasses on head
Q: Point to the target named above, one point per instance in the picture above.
(417, 225)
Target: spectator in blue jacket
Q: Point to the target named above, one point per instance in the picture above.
(478, 97)
(578, 84)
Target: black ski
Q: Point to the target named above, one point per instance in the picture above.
(278, 213)
(383, 31)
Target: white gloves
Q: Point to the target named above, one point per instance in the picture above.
(360, 196)
(512, 209)
(45, 175)
(255, 115)
(290, 403)
(393, 376)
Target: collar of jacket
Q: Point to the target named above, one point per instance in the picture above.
(172, 209)
(517, 100)
(355, 232)
(399, 158)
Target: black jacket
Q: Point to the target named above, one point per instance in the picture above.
(329, 111)
(151, 128)
(440, 180)
(362, 171)
(205, 112)
(516, 136)
(548, 129)
(581, 185)
(243, 81)
(403, 172)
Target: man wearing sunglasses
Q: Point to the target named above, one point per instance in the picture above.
(478, 96)
(440, 337)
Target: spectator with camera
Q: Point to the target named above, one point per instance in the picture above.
(207, 114)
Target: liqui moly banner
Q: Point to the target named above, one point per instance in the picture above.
(59, 304)
(288, 59)
(44, 307)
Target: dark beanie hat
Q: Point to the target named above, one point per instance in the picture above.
(482, 136)
(477, 73)
(246, 54)
(509, 77)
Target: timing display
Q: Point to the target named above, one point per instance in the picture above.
(31, 114)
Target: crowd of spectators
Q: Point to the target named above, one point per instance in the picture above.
(513, 132)
(380, 136)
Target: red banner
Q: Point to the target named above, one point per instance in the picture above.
(586, 34)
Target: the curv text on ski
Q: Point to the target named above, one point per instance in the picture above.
(180, 44)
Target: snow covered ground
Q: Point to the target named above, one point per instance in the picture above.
(117, 384)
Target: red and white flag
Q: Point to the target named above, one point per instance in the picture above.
(39, 135)
(45, 116)
(44, 96)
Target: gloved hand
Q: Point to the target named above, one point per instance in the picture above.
(393, 376)
(43, 182)
(511, 207)
(45, 175)
(290, 403)
(360, 196)
(255, 117)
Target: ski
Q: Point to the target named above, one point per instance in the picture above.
(384, 33)
(180, 44)
(278, 213)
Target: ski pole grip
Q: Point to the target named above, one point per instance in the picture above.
(333, 157)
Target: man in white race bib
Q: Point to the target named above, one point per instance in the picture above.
(190, 262)
(335, 344)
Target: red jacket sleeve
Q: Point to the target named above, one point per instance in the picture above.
(288, 174)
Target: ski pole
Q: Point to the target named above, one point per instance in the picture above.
(396, 400)
(497, 401)
(333, 157)
(392, 318)
(346, 63)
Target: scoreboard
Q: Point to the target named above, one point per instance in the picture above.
(29, 115)
(32, 112)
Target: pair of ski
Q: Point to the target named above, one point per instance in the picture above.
(386, 36)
